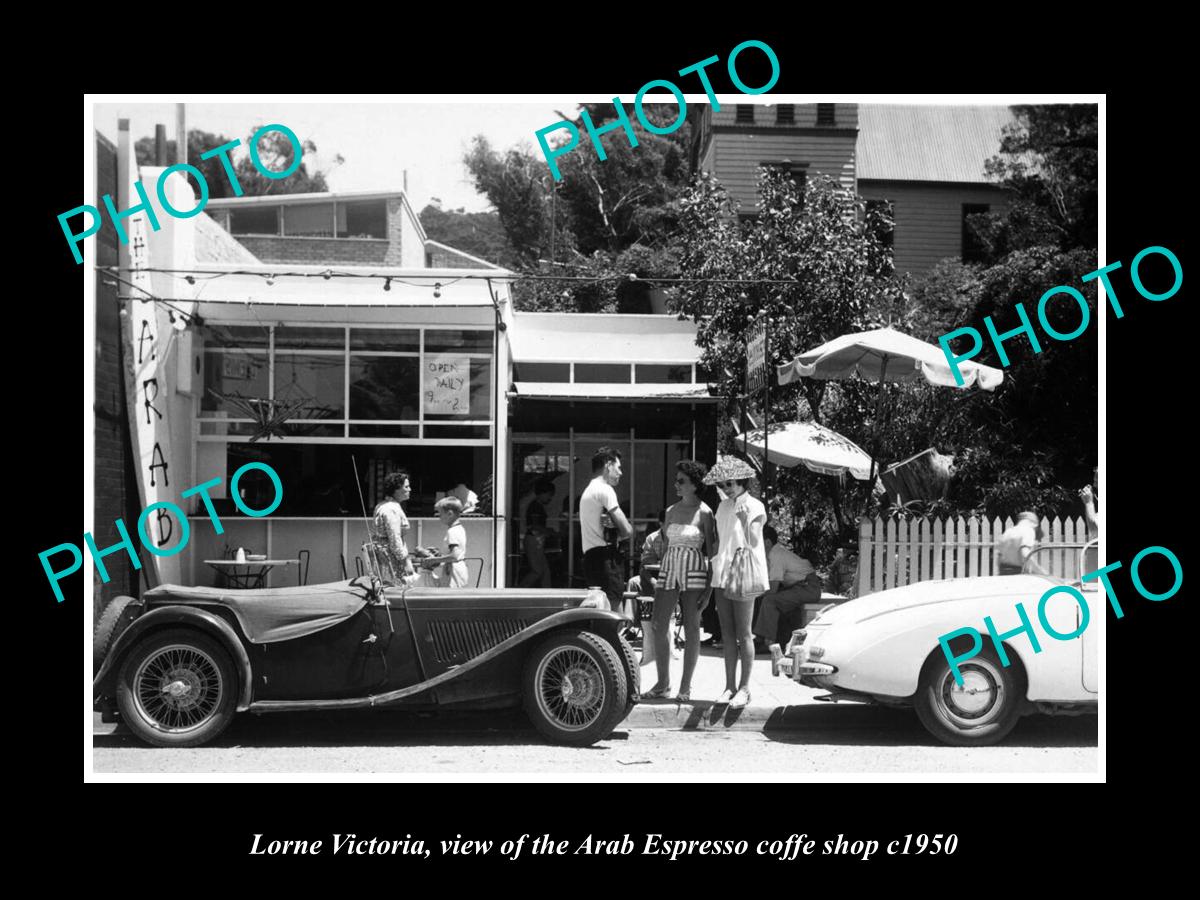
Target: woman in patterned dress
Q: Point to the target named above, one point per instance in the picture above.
(740, 520)
(689, 536)
(389, 528)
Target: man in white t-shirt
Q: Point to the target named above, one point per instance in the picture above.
(1016, 544)
(601, 562)
(794, 582)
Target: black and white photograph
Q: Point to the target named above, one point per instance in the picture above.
(746, 434)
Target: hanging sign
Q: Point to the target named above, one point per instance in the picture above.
(446, 386)
(756, 357)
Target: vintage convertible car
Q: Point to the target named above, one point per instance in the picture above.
(883, 648)
(176, 665)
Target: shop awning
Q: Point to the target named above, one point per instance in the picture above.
(544, 390)
(602, 338)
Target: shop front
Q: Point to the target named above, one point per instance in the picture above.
(582, 382)
(359, 387)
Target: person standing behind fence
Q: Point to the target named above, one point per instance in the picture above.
(601, 560)
(1016, 545)
(739, 571)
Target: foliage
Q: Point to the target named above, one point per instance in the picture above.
(275, 153)
(479, 234)
(835, 277)
(604, 220)
(1048, 161)
(1030, 444)
(942, 298)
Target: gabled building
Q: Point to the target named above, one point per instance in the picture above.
(925, 162)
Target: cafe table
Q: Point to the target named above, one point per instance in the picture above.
(251, 573)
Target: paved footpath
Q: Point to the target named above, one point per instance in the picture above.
(784, 731)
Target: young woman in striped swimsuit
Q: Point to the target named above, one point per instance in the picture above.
(689, 540)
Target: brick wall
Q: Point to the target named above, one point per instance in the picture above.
(116, 493)
(354, 251)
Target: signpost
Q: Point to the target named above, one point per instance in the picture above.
(757, 376)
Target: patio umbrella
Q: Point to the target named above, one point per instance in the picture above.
(814, 446)
(885, 355)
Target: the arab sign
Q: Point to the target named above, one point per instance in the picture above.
(756, 357)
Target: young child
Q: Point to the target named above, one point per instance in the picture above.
(448, 569)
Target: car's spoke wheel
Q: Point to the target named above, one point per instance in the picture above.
(982, 710)
(570, 688)
(575, 687)
(176, 688)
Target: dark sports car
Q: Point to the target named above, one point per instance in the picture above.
(176, 665)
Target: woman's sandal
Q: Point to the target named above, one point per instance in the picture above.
(684, 696)
(658, 693)
(740, 699)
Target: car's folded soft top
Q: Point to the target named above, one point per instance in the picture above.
(269, 615)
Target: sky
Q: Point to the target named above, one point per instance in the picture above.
(378, 140)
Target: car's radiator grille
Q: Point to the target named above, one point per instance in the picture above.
(454, 640)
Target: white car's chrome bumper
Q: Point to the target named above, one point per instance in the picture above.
(797, 665)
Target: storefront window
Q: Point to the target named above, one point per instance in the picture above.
(657, 374)
(318, 480)
(398, 381)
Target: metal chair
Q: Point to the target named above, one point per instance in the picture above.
(479, 575)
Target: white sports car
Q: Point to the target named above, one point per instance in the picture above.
(883, 648)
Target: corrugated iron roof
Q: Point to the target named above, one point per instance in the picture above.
(898, 142)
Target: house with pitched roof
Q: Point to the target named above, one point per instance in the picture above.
(925, 162)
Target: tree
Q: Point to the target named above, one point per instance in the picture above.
(605, 220)
(827, 274)
(275, 153)
(1048, 161)
(1027, 445)
(479, 234)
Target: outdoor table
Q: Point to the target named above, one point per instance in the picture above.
(250, 578)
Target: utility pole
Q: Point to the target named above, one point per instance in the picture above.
(181, 140)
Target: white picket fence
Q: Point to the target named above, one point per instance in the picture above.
(899, 552)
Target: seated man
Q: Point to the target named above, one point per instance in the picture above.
(643, 584)
(794, 582)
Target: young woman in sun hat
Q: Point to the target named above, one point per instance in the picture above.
(739, 570)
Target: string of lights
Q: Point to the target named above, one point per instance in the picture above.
(439, 282)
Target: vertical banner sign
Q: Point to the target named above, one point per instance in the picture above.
(149, 384)
(447, 385)
(756, 357)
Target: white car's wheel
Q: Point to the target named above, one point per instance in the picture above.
(983, 710)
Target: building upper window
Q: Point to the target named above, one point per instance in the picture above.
(309, 220)
(798, 174)
(785, 114)
(359, 219)
(745, 113)
(973, 249)
(558, 373)
(825, 114)
(254, 220)
(885, 231)
(363, 218)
